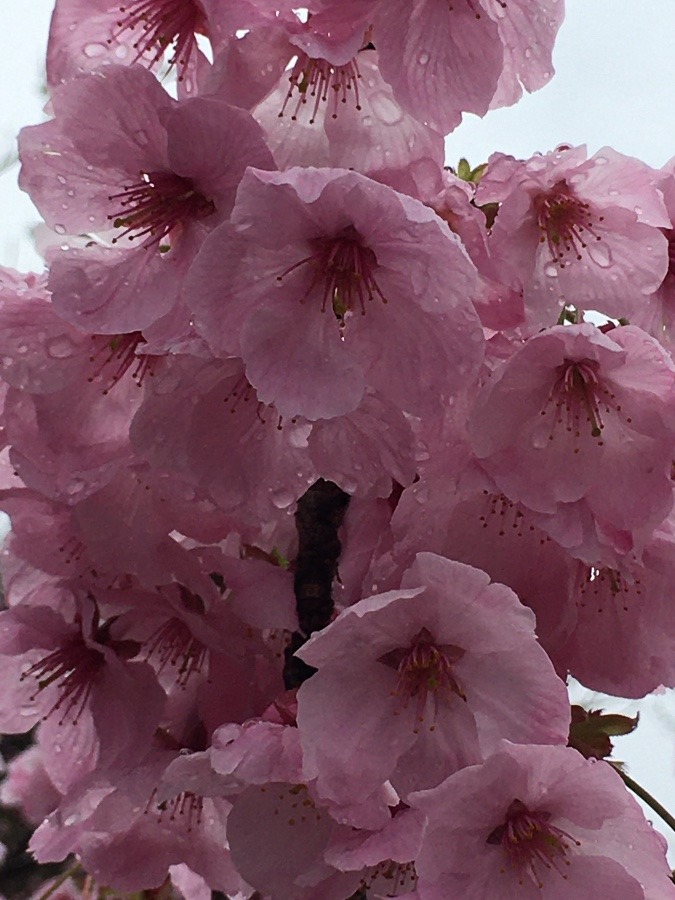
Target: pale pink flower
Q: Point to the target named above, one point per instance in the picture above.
(578, 231)
(538, 822)
(152, 173)
(415, 683)
(86, 35)
(362, 286)
(574, 411)
(28, 786)
(64, 669)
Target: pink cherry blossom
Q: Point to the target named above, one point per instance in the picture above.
(573, 410)
(153, 174)
(68, 672)
(85, 36)
(536, 821)
(412, 684)
(578, 231)
(319, 309)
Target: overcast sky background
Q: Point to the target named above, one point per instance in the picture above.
(614, 85)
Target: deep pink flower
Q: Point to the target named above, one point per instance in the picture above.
(416, 683)
(538, 822)
(361, 286)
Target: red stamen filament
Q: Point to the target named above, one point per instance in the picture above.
(579, 390)
(322, 82)
(153, 207)
(425, 672)
(74, 667)
(174, 645)
(117, 355)
(565, 223)
(343, 271)
(529, 842)
(163, 24)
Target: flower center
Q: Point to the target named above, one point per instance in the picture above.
(425, 672)
(565, 224)
(116, 355)
(155, 206)
(318, 81)
(343, 272)
(173, 643)
(163, 24)
(390, 879)
(73, 667)
(579, 395)
(605, 587)
(530, 842)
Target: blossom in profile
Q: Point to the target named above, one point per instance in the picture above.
(538, 822)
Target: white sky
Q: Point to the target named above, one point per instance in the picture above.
(614, 84)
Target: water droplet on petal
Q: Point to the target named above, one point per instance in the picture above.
(600, 254)
(60, 347)
(423, 58)
(551, 270)
(91, 51)
(385, 108)
(60, 229)
(282, 498)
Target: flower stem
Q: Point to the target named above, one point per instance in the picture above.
(55, 885)
(654, 804)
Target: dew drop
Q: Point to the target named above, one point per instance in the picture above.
(282, 498)
(298, 436)
(386, 109)
(75, 486)
(91, 51)
(60, 229)
(60, 347)
(423, 58)
(600, 254)
(61, 179)
(551, 270)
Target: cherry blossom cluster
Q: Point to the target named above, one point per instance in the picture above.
(327, 465)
